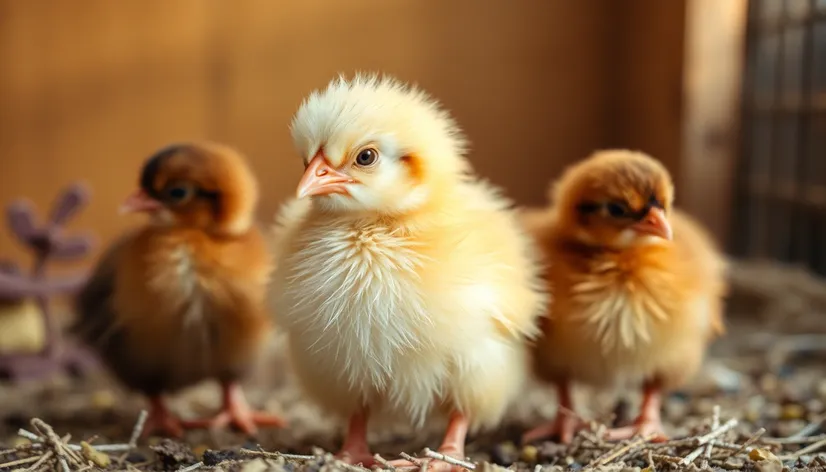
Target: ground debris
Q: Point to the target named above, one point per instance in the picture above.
(173, 453)
(758, 375)
(214, 457)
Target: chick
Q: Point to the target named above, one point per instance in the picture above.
(405, 283)
(638, 287)
(183, 299)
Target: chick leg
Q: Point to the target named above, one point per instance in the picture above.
(564, 425)
(160, 419)
(453, 445)
(236, 411)
(648, 422)
(454, 442)
(355, 449)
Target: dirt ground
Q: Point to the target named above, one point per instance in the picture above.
(768, 372)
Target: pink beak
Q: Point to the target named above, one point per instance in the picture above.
(139, 201)
(655, 224)
(320, 178)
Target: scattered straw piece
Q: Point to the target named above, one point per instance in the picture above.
(138, 429)
(109, 447)
(796, 440)
(620, 450)
(806, 450)
(27, 460)
(745, 447)
(53, 452)
(384, 462)
(410, 458)
(64, 453)
(450, 460)
(351, 467)
(730, 424)
(705, 439)
(734, 447)
(195, 466)
(276, 455)
(715, 423)
(43, 459)
(809, 429)
(29, 435)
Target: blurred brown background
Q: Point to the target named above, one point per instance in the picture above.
(89, 89)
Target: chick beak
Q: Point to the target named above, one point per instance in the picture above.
(655, 224)
(320, 178)
(139, 201)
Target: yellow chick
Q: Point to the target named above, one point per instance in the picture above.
(405, 284)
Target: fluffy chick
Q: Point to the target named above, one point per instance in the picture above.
(638, 287)
(406, 284)
(183, 299)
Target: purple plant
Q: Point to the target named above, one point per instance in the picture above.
(48, 242)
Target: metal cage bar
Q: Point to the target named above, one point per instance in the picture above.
(781, 180)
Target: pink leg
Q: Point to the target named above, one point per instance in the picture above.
(160, 419)
(564, 425)
(355, 449)
(648, 422)
(237, 412)
(453, 445)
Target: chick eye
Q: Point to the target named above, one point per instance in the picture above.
(179, 193)
(617, 210)
(367, 157)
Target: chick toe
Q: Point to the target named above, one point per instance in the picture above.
(563, 427)
(161, 420)
(648, 424)
(237, 412)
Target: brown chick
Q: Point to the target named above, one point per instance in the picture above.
(182, 299)
(405, 283)
(638, 287)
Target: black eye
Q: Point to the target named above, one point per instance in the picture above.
(654, 202)
(617, 210)
(367, 157)
(179, 193)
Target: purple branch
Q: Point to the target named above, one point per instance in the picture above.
(20, 216)
(72, 199)
(15, 287)
(71, 247)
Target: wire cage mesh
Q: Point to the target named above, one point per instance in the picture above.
(781, 180)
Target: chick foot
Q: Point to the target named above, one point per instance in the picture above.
(355, 456)
(648, 423)
(237, 412)
(454, 451)
(161, 420)
(564, 426)
(643, 427)
(452, 446)
(355, 449)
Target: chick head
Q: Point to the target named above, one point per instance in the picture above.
(616, 199)
(202, 185)
(374, 144)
